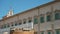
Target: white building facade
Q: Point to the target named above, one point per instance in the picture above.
(44, 19)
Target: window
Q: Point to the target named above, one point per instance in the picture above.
(12, 25)
(4, 26)
(8, 25)
(49, 32)
(16, 24)
(42, 19)
(42, 32)
(30, 21)
(24, 22)
(20, 23)
(35, 20)
(57, 16)
(48, 17)
(57, 31)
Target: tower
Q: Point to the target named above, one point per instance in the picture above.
(10, 13)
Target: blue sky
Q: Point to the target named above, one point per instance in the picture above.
(19, 5)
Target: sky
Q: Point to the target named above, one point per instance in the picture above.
(19, 6)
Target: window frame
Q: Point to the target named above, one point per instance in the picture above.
(57, 12)
(29, 21)
(42, 32)
(49, 31)
(8, 25)
(16, 24)
(24, 22)
(42, 16)
(35, 20)
(57, 30)
(20, 23)
(57, 16)
(4, 26)
(48, 14)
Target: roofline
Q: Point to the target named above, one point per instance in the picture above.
(40, 6)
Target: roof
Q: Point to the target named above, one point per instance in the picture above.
(40, 6)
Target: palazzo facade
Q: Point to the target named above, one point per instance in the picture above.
(43, 19)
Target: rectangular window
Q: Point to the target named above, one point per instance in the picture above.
(8, 25)
(42, 32)
(4, 25)
(24, 22)
(12, 25)
(57, 31)
(49, 32)
(20, 23)
(41, 19)
(16, 24)
(30, 21)
(35, 20)
(57, 16)
(48, 18)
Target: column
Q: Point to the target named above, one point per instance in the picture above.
(33, 22)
